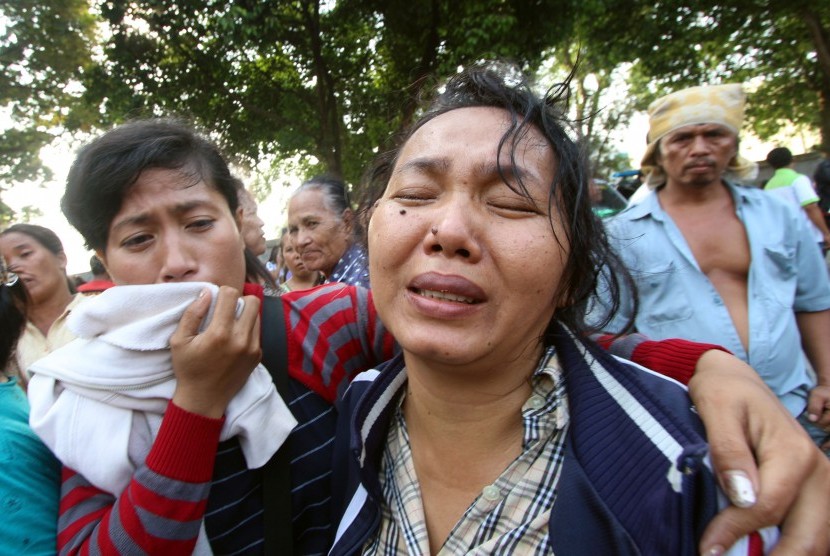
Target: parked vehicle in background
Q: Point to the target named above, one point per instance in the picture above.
(627, 182)
(606, 200)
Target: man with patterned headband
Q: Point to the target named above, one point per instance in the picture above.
(717, 262)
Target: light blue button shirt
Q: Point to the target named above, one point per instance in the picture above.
(786, 275)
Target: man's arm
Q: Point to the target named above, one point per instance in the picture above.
(161, 510)
(815, 339)
(817, 218)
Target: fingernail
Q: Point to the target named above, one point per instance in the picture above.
(203, 293)
(812, 418)
(716, 550)
(739, 489)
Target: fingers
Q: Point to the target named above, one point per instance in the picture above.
(212, 365)
(789, 467)
(818, 406)
(192, 318)
(804, 531)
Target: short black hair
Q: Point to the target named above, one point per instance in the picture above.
(96, 267)
(13, 301)
(107, 167)
(502, 85)
(779, 157)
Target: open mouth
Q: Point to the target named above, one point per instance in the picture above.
(446, 296)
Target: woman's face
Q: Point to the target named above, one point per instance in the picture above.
(464, 270)
(293, 260)
(252, 225)
(319, 235)
(172, 230)
(43, 272)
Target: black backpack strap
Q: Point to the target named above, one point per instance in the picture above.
(276, 475)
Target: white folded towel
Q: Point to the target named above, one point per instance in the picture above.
(97, 402)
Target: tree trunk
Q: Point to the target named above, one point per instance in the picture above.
(819, 36)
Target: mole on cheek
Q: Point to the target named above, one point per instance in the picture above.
(403, 211)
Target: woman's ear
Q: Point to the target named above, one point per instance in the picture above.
(348, 219)
(103, 258)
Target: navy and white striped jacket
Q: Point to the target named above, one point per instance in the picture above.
(635, 479)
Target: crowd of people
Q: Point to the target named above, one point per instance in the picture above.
(469, 362)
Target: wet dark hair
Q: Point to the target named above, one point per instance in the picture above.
(106, 168)
(779, 157)
(502, 85)
(13, 301)
(44, 236)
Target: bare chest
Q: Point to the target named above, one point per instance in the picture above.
(717, 240)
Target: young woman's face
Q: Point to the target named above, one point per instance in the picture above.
(43, 272)
(293, 260)
(170, 229)
(463, 269)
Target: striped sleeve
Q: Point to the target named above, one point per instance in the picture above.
(333, 334)
(674, 358)
(161, 510)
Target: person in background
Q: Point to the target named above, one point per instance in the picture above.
(821, 177)
(715, 261)
(30, 482)
(253, 228)
(36, 255)
(253, 236)
(178, 221)
(100, 278)
(324, 231)
(301, 277)
(796, 189)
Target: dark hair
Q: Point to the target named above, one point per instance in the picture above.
(13, 301)
(43, 236)
(502, 85)
(107, 167)
(779, 157)
(96, 266)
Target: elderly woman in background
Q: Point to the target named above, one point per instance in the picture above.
(36, 255)
(322, 226)
(30, 482)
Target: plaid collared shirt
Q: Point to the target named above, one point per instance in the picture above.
(511, 515)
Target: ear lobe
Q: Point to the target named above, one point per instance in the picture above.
(238, 217)
(348, 219)
(103, 258)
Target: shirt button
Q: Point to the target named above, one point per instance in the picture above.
(536, 402)
(491, 493)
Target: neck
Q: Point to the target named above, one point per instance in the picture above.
(302, 282)
(45, 313)
(674, 193)
(459, 407)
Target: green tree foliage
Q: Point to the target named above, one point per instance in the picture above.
(324, 80)
(780, 48)
(44, 47)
